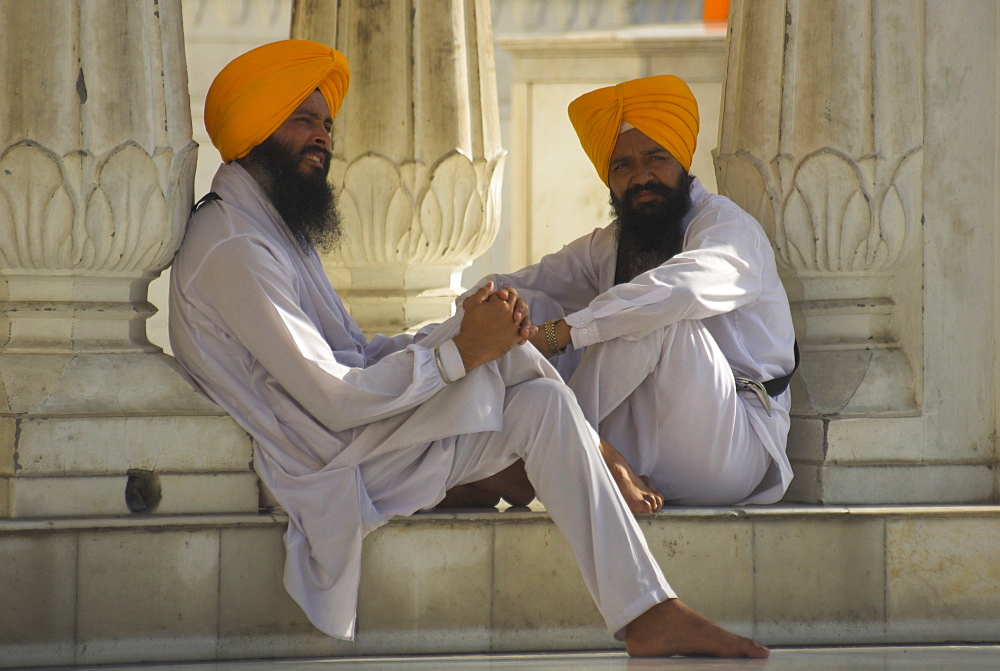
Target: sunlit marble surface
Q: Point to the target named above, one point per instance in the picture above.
(782, 659)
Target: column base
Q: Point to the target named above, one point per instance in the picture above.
(112, 434)
(878, 460)
(854, 381)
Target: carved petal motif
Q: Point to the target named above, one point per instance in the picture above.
(36, 212)
(181, 168)
(827, 218)
(455, 220)
(451, 211)
(900, 209)
(126, 219)
(744, 180)
(376, 210)
(492, 187)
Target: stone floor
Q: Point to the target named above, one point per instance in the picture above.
(782, 659)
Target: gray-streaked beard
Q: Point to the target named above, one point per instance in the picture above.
(306, 203)
(651, 233)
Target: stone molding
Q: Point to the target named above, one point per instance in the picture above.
(242, 20)
(562, 16)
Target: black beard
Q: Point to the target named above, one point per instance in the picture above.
(306, 203)
(649, 233)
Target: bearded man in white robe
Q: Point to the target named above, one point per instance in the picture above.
(349, 432)
(679, 335)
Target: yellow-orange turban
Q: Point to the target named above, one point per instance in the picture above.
(258, 91)
(661, 107)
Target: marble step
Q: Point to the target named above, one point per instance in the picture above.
(203, 587)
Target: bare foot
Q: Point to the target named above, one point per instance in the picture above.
(638, 491)
(468, 496)
(511, 483)
(671, 628)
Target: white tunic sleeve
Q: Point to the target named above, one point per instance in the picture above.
(718, 271)
(255, 295)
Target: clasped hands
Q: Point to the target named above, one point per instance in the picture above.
(494, 321)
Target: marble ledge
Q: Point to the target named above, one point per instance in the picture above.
(654, 35)
(141, 522)
(535, 513)
(784, 510)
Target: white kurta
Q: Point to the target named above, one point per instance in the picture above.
(348, 433)
(724, 294)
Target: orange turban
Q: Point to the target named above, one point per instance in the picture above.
(258, 91)
(661, 107)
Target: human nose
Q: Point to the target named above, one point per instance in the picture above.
(641, 174)
(321, 136)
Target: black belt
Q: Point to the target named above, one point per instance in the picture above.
(770, 388)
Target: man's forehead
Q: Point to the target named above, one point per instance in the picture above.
(633, 140)
(315, 104)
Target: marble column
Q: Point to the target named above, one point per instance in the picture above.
(96, 170)
(823, 139)
(417, 155)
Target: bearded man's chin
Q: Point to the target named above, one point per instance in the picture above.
(647, 207)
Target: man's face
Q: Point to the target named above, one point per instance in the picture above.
(638, 161)
(306, 133)
(650, 196)
(291, 167)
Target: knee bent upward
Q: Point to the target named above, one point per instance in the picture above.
(545, 409)
(537, 395)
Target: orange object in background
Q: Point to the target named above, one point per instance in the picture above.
(715, 10)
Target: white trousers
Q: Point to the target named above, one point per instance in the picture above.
(543, 425)
(667, 402)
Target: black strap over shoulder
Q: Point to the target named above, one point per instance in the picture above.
(207, 198)
(778, 385)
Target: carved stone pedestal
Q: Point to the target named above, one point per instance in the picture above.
(835, 136)
(96, 168)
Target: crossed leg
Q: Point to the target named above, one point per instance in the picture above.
(543, 426)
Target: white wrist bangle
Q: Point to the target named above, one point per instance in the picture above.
(440, 365)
